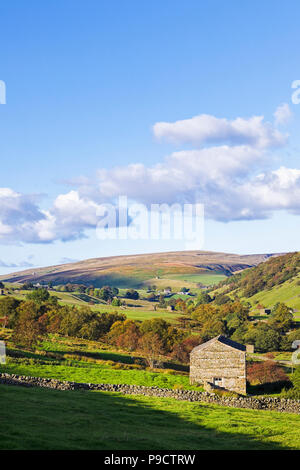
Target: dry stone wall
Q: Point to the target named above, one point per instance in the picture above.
(263, 403)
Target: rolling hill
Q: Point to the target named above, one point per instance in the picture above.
(276, 280)
(185, 267)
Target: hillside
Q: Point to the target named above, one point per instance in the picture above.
(136, 270)
(276, 280)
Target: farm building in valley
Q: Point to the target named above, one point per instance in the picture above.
(265, 311)
(219, 363)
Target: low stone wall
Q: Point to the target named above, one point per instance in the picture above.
(263, 403)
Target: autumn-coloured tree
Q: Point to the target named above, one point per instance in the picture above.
(181, 351)
(28, 329)
(152, 348)
(125, 334)
(265, 372)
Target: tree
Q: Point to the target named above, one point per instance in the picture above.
(266, 372)
(28, 329)
(203, 298)
(132, 294)
(263, 337)
(38, 295)
(239, 333)
(204, 313)
(181, 351)
(211, 328)
(84, 323)
(152, 347)
(281, 318)
(158, 327)
(221, 299)
(106, 293)
(162, 302)
(125, 334)
(8, 308)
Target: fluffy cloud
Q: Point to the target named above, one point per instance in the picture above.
(21, 220)
(232, 179)
(18, 214)
(180, 175)
(282, 114)
(207, 129)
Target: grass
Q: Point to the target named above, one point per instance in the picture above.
(90, 373)
(112, 366)
(47, 420)
(205, 279)
(288, 293)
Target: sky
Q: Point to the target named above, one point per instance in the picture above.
(159, 101)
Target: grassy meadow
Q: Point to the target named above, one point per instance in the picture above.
(90, 362)
(48, 419)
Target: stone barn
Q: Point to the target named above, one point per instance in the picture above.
(220, 363)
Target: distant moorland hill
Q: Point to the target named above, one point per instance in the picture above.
(138, 270)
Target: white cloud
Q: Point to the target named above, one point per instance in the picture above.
(181, 174)
(211, 130)
(232, 180)
(283, 114)
(21, 220)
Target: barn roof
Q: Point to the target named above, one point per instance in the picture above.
(221, 339)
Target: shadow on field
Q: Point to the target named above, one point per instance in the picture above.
(48, 419)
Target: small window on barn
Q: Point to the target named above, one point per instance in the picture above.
(218, 381)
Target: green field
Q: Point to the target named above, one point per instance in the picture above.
(288, 293)
(205, 279)
(76, 360)
(89, 373)
(47, 420)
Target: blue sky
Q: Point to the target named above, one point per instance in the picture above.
(88, 86)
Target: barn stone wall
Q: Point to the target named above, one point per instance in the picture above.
(218, 360)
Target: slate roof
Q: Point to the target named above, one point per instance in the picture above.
(221, 339)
